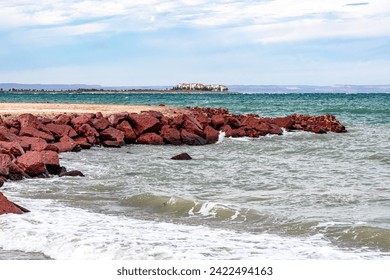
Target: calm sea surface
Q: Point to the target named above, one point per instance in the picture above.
(296, 196)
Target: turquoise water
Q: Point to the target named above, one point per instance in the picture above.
(295, 196)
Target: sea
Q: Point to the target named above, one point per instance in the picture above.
(298, 196)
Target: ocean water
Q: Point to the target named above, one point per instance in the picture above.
(295, 196)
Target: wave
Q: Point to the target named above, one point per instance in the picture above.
(61, 232)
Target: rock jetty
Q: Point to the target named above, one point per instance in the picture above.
(30, 144)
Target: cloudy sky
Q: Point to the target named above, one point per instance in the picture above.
(150, 42)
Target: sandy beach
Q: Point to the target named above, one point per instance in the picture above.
(51, 109)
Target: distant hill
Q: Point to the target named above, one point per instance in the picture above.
(58, 87)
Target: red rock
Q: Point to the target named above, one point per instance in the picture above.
(32, 163)
(143, 123)
(275, 129)
(62, 119)
(16, 173)
(263, 128)
(239, 132)
(112, 134)
(33, 132)
(80, 120)
(67, 144)
(99, 115)
(7, 207)
(130, 136)
(52, 147)
(191, 125)
(155, 114)
(228, 130)
(100, 124)
(7, 135)
(191, 138)
(233, 122)
(250, 122)
(285, 122)
(59, 130)
(183, 156)
(29, 120)
(45, 120)
(2, 181)
(82, 142)
(203, 120)
(89, 132)
(170, 135)
(115, 119)
(211, 135)
(150, 138)
(13, 147)
(218, 121)
(5, 161)
(113, 144)
(32, 143)
(12, 123)
(177, 121)
(52, 162)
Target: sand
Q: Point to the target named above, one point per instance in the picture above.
(51, 109)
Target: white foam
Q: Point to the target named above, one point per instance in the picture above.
(69, 233)
(221, 137)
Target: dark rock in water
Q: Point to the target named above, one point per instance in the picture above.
(2, 181)
(183, 156)
(72, 173)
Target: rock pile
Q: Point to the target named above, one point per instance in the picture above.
(29, 145)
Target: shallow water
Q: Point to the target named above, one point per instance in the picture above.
(296, 196)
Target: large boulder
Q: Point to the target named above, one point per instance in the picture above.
(89, 132)
(33, 143)
(151, 139)
(191, 125)
(191, 138)
(7, 135)
(211, 135)
(115, 119)
(52, 162)
(218, 121)
(67, 144)
(7, 207)
(62, 119)
(33, 132)
(112, 134)
(170, 135)
(143, 123)
(32, 163)
(285, 122)
(100, 124)
(60, 130)
(12, 148)
(130, 136)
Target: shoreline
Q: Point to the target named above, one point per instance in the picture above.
(10, 110)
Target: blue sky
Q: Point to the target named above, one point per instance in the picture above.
(148, 42)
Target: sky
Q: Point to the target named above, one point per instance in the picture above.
(149, 42)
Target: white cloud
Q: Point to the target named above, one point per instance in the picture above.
(258, 21)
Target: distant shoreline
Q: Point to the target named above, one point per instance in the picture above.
(99, 91)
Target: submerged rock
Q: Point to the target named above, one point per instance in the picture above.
(182, 156)
(72, 173)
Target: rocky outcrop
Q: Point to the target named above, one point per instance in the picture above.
(29, 145)
(7, 207)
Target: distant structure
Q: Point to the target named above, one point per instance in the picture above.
(200, 87)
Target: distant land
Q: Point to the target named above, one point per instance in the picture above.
(232, 88)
